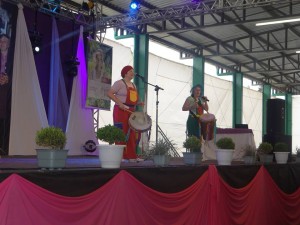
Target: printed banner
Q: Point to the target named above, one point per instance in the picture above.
(99, 58)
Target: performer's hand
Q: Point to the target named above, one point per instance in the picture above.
(123, 107)
(141, 103)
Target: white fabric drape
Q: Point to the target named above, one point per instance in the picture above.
(27, 107)
(80, 126)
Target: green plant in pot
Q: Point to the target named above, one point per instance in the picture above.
(264, 151)
(281, 151)
(193, 153)
(160, 151)
(51, 138)
(110, 155)
(192, 144)
(111, 134)
(224, 151)
(225, 143)
(52, 154)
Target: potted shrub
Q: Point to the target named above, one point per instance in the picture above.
(51, 153)
(224, 151)
(160, 152)
(281, 152)
(249, 157)
(265, 152)
(193, 153)
(110, 155)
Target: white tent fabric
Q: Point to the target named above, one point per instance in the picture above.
(80, 125)
(27, 106)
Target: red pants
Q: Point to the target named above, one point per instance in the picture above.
(121, 118)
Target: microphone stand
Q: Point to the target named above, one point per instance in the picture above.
(157, 88)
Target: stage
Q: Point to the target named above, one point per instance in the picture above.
(163, 195)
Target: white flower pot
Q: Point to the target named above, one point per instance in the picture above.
(110, 156)
(224, 156)
(281, 157)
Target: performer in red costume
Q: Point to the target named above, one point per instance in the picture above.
(124, 93)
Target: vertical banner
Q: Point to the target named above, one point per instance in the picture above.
(99, 61)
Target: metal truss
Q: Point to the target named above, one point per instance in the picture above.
(66, 9)
(182, 11)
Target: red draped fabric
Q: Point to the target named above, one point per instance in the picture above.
(126, 201)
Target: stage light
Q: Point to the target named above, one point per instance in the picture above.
(36, 41)
(134, 5)
(298, 52)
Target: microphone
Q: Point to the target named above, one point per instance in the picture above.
(204, 98)
(139, 76)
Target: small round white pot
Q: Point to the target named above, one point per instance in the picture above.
(110, 156)
(281, 157)
(224, 156)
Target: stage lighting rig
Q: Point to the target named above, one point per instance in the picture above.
(36, 41)
(72, 64)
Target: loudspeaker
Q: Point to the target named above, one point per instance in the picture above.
(275, 116)
(274, 138)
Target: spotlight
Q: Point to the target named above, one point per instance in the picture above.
(134, 5)
(36, 41)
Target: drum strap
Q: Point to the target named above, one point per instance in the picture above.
(194, 115)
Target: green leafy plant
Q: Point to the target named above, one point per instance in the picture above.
(162, 147)
(225, 143)
(265, 148)
(281, 147)
(51, 137)
(192, 144)
(111, 134)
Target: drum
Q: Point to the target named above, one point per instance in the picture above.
(140, 121)
(208, 122)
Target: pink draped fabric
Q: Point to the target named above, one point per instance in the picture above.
(126, 201)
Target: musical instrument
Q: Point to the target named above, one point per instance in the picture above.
(208, 122)
(140, 121)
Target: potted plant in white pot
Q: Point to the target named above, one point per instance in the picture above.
(224, 151)
(193, 154)
(265, 152)
(160, 152)
(51, 153)
(110, 155)
(281, 152)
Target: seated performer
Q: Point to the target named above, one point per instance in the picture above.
(196, 106)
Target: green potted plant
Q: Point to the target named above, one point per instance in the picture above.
(249, 156)
(51, 153)
(160, 151)
(193, 153)
(281, 152)
(265, 152)
(110, 155)
(224, 151)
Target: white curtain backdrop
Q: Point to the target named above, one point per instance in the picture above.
(27, 109)
(80, 125)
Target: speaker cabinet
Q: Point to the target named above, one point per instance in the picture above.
(275, 116)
